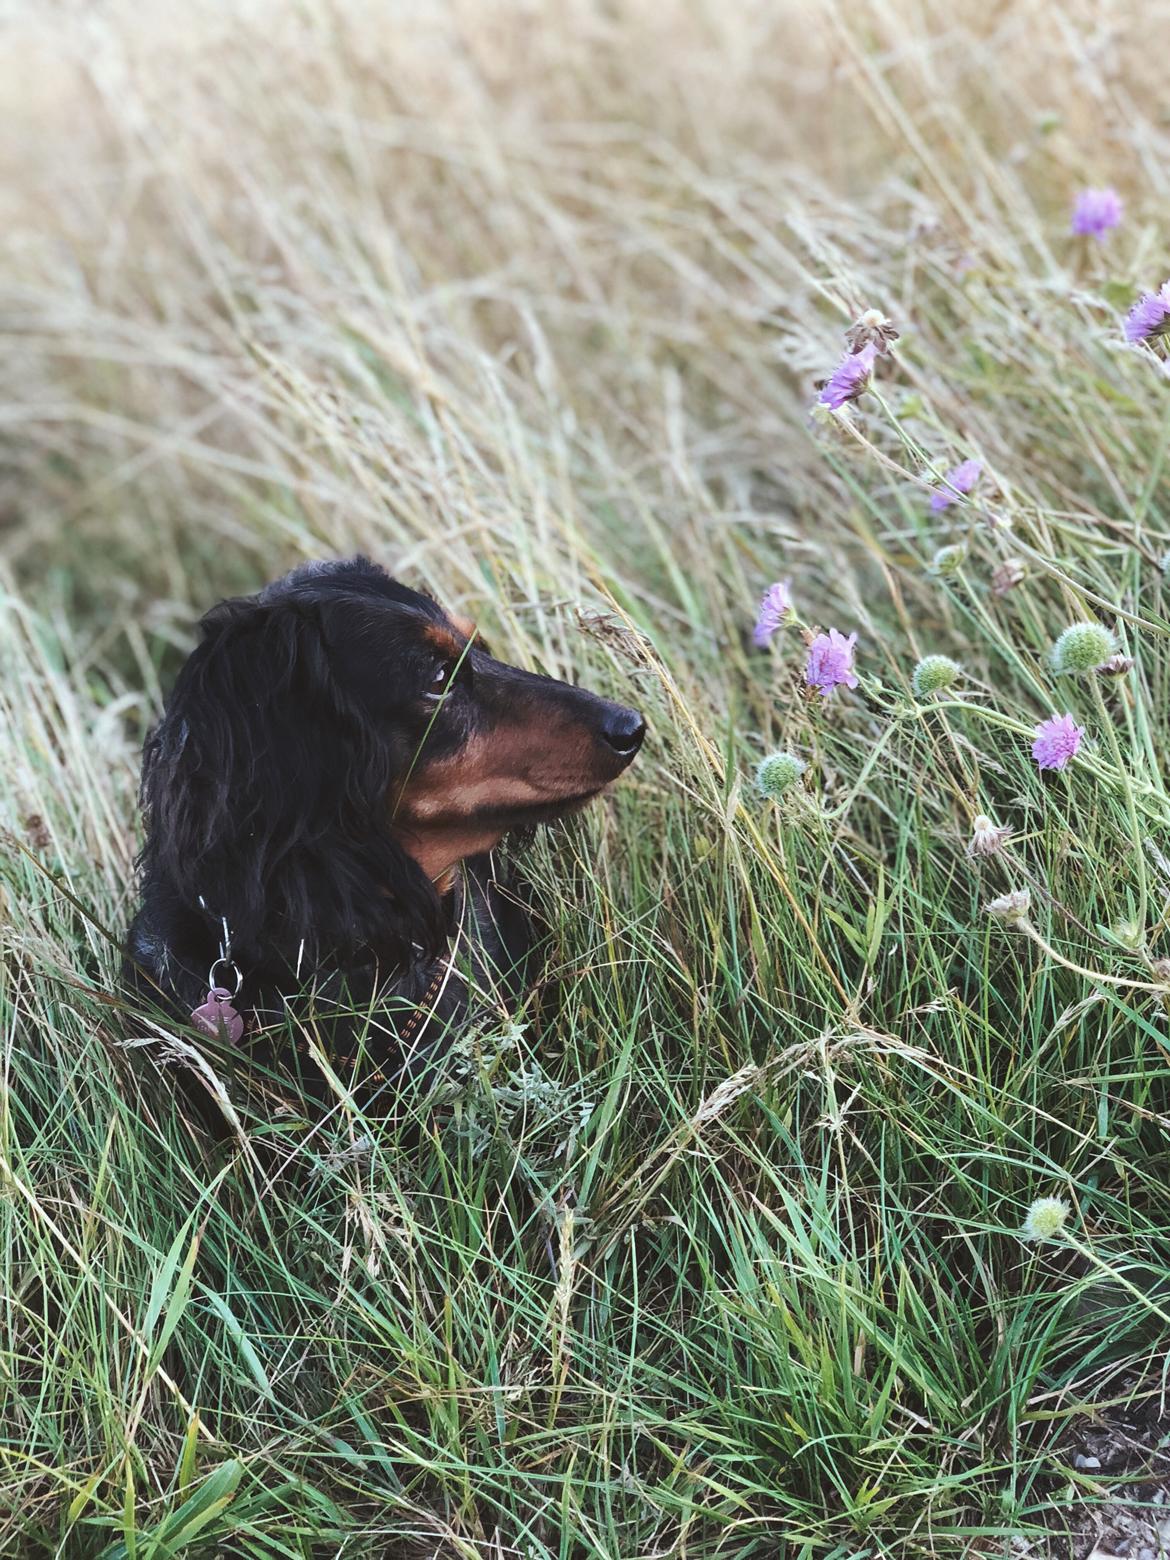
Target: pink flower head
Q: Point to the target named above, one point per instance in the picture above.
(849, 378)
(1057, 740)
(830, 662)
(1149, 317)
(1096, 211)
(774, 608)
(961, 480)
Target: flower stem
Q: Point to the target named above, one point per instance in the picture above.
(1130, 803)
(1086, 1251)
(1026, 926)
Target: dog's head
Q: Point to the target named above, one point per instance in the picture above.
(337, 743)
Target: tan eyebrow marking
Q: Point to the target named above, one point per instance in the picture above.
(465, 626)
(446, 642)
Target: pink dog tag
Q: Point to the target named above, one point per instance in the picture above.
(217, 1017)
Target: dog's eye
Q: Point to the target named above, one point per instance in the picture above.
(441, 679)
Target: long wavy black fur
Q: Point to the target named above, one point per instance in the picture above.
(249, 812)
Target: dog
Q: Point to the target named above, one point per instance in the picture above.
(322, 798)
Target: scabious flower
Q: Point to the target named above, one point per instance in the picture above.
(1011, 908)
(934, 673)
(871, 329)
(774, 608)
(1083, 647)
(961, 480)
(986, 837)
(1058, 739)
(830, 662)
(1095, 212)
(1149, 317)
(778, 773)
(848, 379)
(1045, 1218)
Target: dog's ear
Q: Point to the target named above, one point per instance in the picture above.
(265, 793)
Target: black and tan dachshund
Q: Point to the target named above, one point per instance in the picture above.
(322, 799)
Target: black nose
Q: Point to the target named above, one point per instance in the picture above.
(623, 730)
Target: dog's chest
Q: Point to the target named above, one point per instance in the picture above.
(371, 1028)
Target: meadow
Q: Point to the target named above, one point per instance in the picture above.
(719, 1249)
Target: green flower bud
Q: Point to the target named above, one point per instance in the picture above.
(949, 560)
(1013, 908)
(1045, 1218)
(778, 773)
(934, 673)
(1083, 648)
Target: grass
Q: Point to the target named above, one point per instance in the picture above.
(715, 1252)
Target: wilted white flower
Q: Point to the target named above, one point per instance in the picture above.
(986, 837)
(872, 329)
(1007, 575)
(1011, 908)
(1116, 666)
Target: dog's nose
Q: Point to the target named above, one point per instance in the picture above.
(623, 730)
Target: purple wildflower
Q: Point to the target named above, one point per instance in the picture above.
(849, 378)
(1057, 740)
(1096, 211)
(1150, 316)
(830, 662)
(961, 480)
(774, 608)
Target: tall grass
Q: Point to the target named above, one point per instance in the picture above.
(716, 1251)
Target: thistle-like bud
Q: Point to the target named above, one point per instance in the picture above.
(934, 673)
(1083, 647)
(1129, 933)
(1045, 1218)
(949, 560)
(778, 773)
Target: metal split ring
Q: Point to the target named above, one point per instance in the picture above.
(227, 964)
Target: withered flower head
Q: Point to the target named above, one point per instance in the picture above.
(1010, 573)
(1011, 908)
(1116, 666)
(986, 837)
(872, 329)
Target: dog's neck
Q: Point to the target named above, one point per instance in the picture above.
(440, 848)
